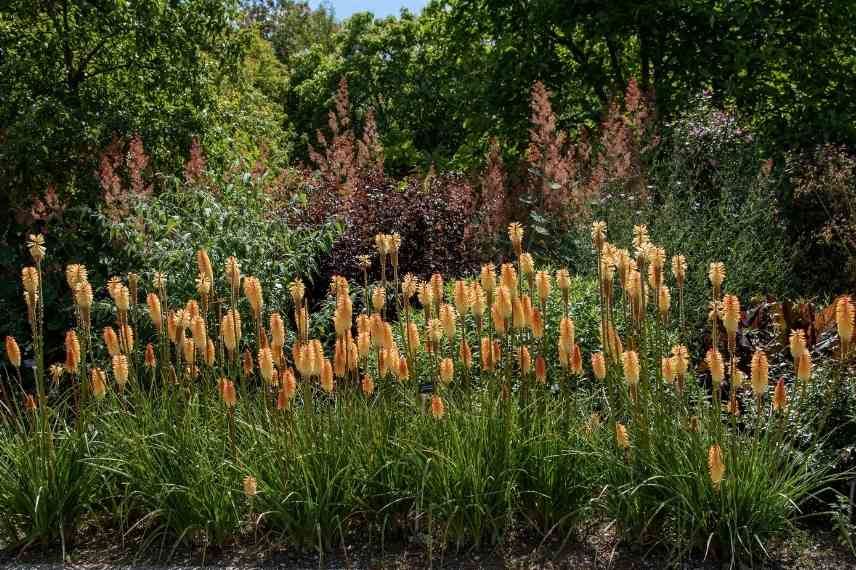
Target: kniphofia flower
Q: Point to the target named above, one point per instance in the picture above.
(120, 370)
(716, 274)
(438, 409)
(621, 437)
(36, 245)
(13, 352)
(715, 465)
(780, 396)
(447, 370)
(227, 392)
(98, 385)
(716, 366)
(250, 486)
(760, 373)
(598, 365)
(844, 319)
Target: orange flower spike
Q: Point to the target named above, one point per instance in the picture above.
(780, 396)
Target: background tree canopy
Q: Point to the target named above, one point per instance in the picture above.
(72, 72)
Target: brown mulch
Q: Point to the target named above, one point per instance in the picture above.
(814, 549)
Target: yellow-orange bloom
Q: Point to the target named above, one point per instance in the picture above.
(540, 369)
(447, 320)
(537, 324)
(199, 332)
(667, 369)
(715, 465)
(621, 437)
(664, 301)
(461, 297)
(716, 274)
(804, 367)
(111, 341)
(567, 334)
(730, 313)
(409, 286)
(488, 278)
(527, 264)
(447, 370)
(253, 292)
(508, 277)
(437, 291)
(327, 376)
(466, 353)
(679, 269)
(227, 392)
(518, 315)
(247, 362)
(203, 285)
(204, 264)
(98, 385)
(681, 360)
(210, 353)
(286, 393)
(630, 362)
(503, 301)
(233, 273)
(760, 373)
(716, 366)
(75, 274)
(266, 363)
(189, 351)
(542, 286)
(403, 369)
(598, 365)
(378, 298)
(438, 409)
(844, 319)
(576, 360)
(230, 330)
(155, 313)
(277, 330)
(797, 344)
(120, 370)
(30, 403)
(123, 299)
(478, 300)
(598, 234)
(297, 290)
(30, 279)
(498, 319)
(250, 486)
(487, 362)
(515, 235)
(72, 352)
(83, 295)
(150, 360)
(364, 344)
(368, 385)
(780, 396)
(525, 361)
(13, 351)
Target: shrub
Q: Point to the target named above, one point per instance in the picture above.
(823, 215)
(445, 438)
(714, 197)
(46, 484)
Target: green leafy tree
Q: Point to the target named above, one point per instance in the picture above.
(74, 71)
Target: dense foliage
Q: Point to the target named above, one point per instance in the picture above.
(284, 215)
(520, 399)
